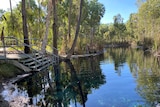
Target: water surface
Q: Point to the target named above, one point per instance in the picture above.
(118, 78)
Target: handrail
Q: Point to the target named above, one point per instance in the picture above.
(54, 58)
(26, 55)
(17, 42)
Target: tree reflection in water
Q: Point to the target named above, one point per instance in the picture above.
(144, 67)
(77, 82)
(64, 85)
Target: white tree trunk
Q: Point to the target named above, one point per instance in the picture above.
(76, 33)
(45, 38)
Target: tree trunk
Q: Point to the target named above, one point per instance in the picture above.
(25, 30)
(55, 33)
(74, 77)
(91, 36)
(67, 38)
(11, 15)
(45, 38)
(3, 42)
(76, 33)
(69, 20)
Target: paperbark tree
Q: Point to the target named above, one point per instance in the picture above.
(25, 30)
(45, 38)
(55, 32)
(77, 31)
(11, 14)
(69, 20)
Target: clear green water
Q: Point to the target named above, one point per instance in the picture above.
(118, 78)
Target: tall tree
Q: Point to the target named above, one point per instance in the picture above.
(25, 30)
(55, 32)
(45, 38)
(69, 20)
(132, 26)
(77, 31)
(119, 27)
(118, 19)
(95, 12)
(11, 14)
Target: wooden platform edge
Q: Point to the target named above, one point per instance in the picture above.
(83, 55)
(19, 65)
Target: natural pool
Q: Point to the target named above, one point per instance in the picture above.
(120, 77)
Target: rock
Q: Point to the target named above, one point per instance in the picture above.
(3, 103)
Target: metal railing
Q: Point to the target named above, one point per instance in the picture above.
(19, 45)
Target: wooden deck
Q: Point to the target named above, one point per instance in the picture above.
(37, 63)
(11, 56)
(11, 51)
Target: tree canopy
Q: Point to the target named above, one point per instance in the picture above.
(141, 28)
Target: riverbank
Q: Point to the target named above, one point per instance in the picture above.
(9, 74)
(8, 70)
(155, 53)
(82, 55)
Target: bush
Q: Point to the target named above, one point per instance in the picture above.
(148, 42)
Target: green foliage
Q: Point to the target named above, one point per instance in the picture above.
(92, 13)
(8, 70)
(131, 26)
(116, 32)
(103, 28)
(1, 15)
(95, 12)
(148, 42)
(146, 23)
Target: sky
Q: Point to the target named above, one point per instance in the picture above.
(4, 4)
(112, 7)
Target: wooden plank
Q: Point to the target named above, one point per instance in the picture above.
(42, 64)
(43, 67)
(19, 65)
(31, 60)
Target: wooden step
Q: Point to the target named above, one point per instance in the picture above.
(42, 64)
(30, 59)
(38, 62)
(34, 62)
(44, 67)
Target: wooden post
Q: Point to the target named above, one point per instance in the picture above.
(4, 49)
(3, 42)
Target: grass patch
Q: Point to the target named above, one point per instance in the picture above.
(8, 70)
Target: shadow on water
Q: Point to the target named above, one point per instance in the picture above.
(132, 80)
(75, 78)
(63, 85)
(60, 92)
